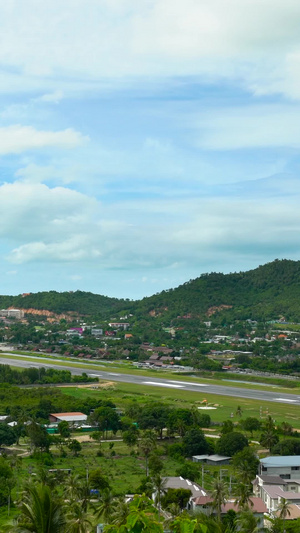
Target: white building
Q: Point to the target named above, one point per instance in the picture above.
(286, 467)
(272, 489)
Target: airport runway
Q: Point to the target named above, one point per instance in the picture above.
(201, 387)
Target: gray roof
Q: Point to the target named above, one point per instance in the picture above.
(272, 480)
(217, 458)
(274, 492)
(181, 483)
(214, 458)
(285, 460)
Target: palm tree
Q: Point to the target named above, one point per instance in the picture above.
(106, 506)
(72, 486)
(242, 496)
(219, 494)
(159, 485)
(146, 445)
(121, 512)
(269, 438)
(248, 522)
(41, 511)
(284, 509)
(239, 411)
(77, 519)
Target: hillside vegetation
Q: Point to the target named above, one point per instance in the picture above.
(269, 291)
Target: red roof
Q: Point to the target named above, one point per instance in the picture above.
(257, 507)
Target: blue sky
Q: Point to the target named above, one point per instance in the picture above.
(143, 143)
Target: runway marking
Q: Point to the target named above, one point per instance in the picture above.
(113, 374)
(95, 375)
(284, 400)
(163, 384)
(190, 383)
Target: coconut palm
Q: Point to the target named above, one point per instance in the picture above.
(242, 496)
(72, 486)
(269, 438)
(41, 511)
(121, 512)
(219, 494)
(248, 522)
(106, 506)
(147, 445)
(77, 519)
(284, 509)
(159, 485)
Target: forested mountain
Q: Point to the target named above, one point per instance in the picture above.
(269, 291)
(84, 303)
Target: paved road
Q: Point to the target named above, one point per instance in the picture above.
(202, 388)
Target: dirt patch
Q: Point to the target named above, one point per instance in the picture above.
(106, 385)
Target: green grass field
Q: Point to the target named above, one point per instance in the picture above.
(123, 393)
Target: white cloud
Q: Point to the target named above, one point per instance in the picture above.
(252, 41)
(255, 126)
(16, 139)
(52, 98)
(58, 225)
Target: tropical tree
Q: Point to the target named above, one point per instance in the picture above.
(64, 429)
(245, 464)
(239, 411)
(183, 524)
(141, 518)
(131, 436)
(269, 438)
(106, 506)
(231, 443)
(75, 446)
(147, 444)
(120, 513)
(243, 493)
(159, 485)
(247, 522)
(219, 495)
(41, 511)
(284, 509)
(77, 519)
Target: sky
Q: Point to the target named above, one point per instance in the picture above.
(145, 142)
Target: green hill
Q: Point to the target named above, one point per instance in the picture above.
(267, 292)
(84, 303)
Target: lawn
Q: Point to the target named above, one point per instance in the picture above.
(226, 406)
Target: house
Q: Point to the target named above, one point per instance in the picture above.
(181, 483)
(75, 418)
(212, 459)
(203, 504)
(272, 489)
(286, 467)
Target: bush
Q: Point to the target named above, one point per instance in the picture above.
(231, 443)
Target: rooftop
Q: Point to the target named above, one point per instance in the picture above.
(272, 480)
(256, 505)
(181, 483)
(287, 460)
(274, 491)
(70, 417)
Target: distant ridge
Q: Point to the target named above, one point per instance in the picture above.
(268, 292)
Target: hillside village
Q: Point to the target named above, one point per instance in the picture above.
(113, 448)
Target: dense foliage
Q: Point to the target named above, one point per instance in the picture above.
(269, 291)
